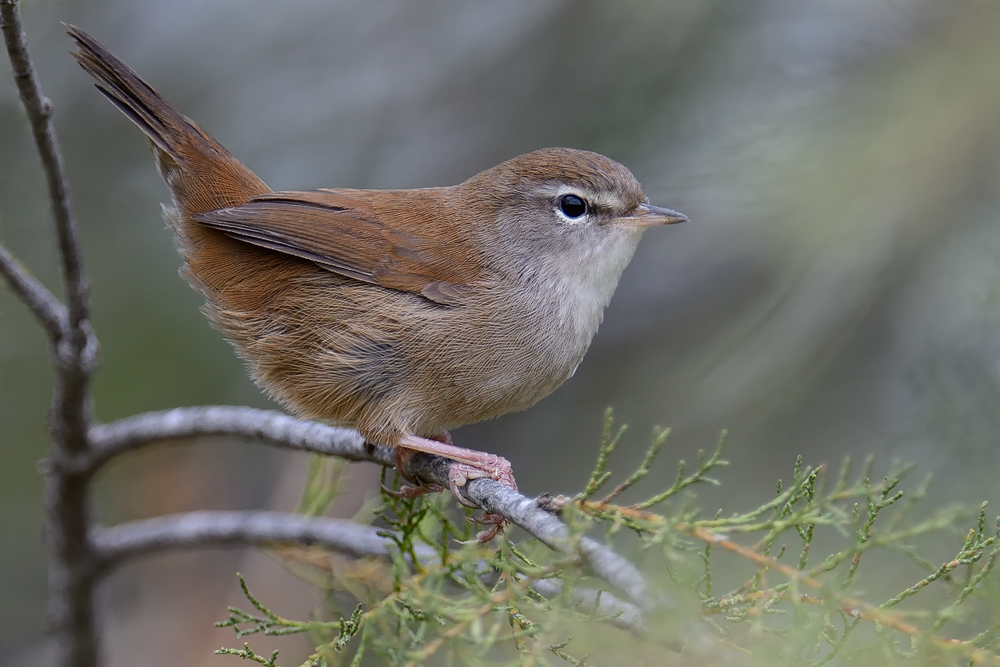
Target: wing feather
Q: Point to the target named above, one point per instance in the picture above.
(348, 233)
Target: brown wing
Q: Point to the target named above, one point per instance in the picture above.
(385, 242)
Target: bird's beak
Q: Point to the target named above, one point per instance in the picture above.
(647, 215)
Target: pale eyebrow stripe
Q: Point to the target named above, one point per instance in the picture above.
(602, 199)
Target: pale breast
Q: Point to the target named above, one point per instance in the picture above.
(518, 342)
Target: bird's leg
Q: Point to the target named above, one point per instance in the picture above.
(468, 465)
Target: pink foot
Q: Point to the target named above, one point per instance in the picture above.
(496, 525)
(493, 467)
(468, 465)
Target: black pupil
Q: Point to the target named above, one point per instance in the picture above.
(572, 206)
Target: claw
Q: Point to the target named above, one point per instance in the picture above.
(497, 469)
(496, 525)
(456, 492)
(484, 536)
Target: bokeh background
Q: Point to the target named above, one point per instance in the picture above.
(835, 292)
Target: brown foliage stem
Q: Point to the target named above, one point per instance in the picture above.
(851, 606)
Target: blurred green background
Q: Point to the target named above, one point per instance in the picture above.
(835, 293)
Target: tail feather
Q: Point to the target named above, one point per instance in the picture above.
(200, 172)
(145, 107)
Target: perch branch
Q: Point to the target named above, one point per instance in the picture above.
(109, 440)
(527, 513)
(268, 426)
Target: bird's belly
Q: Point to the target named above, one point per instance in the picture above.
(389, 363)
(505, 363)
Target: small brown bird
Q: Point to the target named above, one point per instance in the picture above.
(401, 313)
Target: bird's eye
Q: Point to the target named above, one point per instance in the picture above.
(572, 206)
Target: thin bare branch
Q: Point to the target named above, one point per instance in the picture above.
(235, 529)
(116, 545)
(39, 109)
(75, 351)
(46, 307)
(74, 354)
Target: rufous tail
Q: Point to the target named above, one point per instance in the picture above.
(202, 175)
